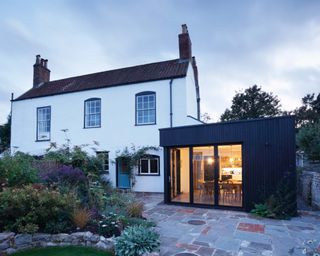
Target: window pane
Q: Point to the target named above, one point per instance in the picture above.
(43, 124)
(146, 109)
(92, 113)
(144, 166)
(154, 165)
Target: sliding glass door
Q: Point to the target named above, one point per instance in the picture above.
(213, 177)
(180, 175)
(230, 175)
(203, 175)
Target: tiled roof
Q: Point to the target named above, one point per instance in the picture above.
(124, 76)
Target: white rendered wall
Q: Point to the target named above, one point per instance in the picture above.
(191, 97)
(118, 128)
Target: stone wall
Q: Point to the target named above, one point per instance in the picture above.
(11, 242)
(309, 186)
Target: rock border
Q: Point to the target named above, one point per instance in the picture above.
(11, 242)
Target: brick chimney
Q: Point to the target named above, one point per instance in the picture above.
(41, 73)
(185, 44)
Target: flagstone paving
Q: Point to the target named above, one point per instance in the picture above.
(205, 232)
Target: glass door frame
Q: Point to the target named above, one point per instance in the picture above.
(216, 176)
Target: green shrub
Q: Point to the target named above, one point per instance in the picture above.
(261, 210)
(280, 205)
(17, 170)
(76, 157)
(137, 240)
(110, 225)
(28, 209)
(120, 200)
(308, 139)
(130, 221)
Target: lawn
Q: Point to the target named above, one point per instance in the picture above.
(63, 251)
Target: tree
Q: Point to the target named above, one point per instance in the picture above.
(308, 139)
(309, 112)
(252, 103)
(205, 117)
(5, 131)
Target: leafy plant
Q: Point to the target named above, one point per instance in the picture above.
(81, 217)
(120, 200)
(308, 139)
(137, 240)
(110, 225)
(135, 209)
(29, 228)
(261, 210)
(131, 221)
(77, 157)
(65, 175)
(17, 170)
(280, 205)
(27, 208)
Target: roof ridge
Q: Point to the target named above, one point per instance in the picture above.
(111, 70)
(160, 70)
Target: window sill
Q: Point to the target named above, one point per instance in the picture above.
(93, 127)
(145, 124)
(148, 174)
(42, 140)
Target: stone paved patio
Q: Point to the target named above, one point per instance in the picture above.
(205, 232)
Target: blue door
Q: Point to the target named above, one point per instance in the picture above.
(123, 174)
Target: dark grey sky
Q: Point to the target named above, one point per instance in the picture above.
(275, 44)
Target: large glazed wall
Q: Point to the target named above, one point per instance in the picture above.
(118, 128)
(268, 149)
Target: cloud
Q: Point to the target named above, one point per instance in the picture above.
(275, 44)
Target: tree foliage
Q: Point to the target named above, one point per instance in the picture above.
(252, 103)
(5, 131)
(308, 139)
(309, 112)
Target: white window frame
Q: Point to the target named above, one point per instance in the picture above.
(149, 158)
(105, 164)
(43, 123)
(89, 107)
(148, 112)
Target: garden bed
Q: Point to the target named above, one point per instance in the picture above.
(11, 242)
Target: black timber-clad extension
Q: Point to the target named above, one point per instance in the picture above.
(267, 153)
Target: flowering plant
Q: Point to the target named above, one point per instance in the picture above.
(110, 225)
(64, 175)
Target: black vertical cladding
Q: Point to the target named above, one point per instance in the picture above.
(268, 150)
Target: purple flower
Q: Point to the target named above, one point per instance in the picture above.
(64, 174)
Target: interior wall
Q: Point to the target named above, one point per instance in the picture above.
(185, 177)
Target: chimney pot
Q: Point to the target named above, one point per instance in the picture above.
(184, 28)
(46, 63)
(38, 59)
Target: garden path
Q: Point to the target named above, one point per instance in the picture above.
(187, 231)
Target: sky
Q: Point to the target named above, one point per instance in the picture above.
(274, 44)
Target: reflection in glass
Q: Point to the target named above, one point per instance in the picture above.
(230, 175)
(203, 175)
(179, 175)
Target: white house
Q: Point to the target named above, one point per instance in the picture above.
(117, 108)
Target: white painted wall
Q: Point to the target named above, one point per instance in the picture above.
(118, 128)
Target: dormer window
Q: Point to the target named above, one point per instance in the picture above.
(92, 113)
(43, 123)
(145, 108)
